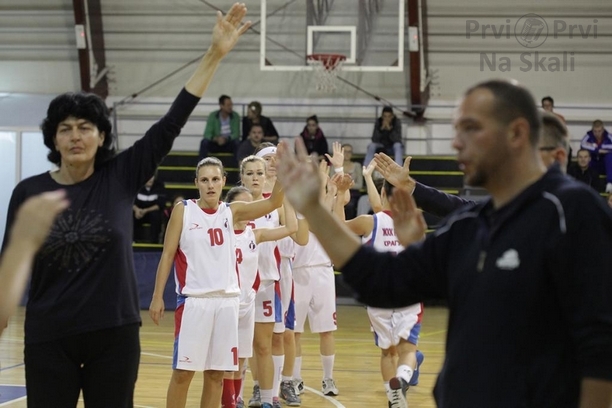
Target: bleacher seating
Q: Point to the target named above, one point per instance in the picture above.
(177, 172)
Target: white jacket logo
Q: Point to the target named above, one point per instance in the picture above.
(509, 260)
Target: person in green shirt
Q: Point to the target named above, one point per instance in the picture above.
(222, 132)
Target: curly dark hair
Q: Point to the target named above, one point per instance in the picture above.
(80, 105)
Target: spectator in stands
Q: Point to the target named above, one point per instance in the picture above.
(548, 105)
(148, 209)
(353, 169)
(222, 130)
(254, 116)
(387, 137)
(313, 136)
(599, 143)
(247, 147)
(583, 172)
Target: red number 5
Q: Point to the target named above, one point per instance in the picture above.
(267, 305)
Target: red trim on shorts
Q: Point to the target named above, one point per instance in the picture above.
(178, 318)
(180, 269)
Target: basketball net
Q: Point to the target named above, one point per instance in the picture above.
(326, 68)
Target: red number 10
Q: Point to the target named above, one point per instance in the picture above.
(216, 236)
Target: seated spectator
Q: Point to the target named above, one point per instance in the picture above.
(548, 105)
(313, 136)
(353, 169)
(222, 130)
(583, 172)
(599, 143)
(254, 116)
(387, 137)
(148, 208)
(247, 147)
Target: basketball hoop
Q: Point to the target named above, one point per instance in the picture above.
(326, 68)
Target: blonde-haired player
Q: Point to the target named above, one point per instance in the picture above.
(248, 239)
(200, 240)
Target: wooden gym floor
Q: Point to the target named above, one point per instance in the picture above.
(356, 368)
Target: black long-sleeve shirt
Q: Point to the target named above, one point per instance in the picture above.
(83, 277)
(437, 202)
(266, 124)
(590, 176)
(528, 287)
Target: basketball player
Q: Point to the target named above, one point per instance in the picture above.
(257, 178)
(247, 255)
(200, 240)
(396, 331)
(315, 298)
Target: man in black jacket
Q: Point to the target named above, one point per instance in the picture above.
(524, 273)
(582, 171)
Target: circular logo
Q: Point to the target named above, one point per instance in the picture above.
(531, 31)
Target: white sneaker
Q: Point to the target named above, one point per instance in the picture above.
(329, 387)
(397, 395)
(298, 384)
(609, 188)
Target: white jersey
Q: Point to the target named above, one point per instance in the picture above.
(205, 261)
(383, 238)
(391, 325)
(286, 247)
(311, 254)
(246, 258)
(269, 255)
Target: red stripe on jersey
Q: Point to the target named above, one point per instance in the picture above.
(180, 269)
(266, 195)
(277, 258)
(257, 282)
(420, 315)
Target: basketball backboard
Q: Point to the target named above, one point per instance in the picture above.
(370, 33)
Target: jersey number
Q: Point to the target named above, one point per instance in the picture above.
(235, 354)
(216, 236)
(267, 306)
(238, 256)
